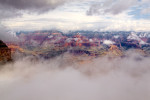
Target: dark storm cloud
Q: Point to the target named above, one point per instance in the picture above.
(10, 8)
(34, 5)
(8, 12)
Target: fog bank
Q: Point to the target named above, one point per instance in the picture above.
(66, 79)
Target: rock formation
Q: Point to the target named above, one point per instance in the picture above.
(5, 52)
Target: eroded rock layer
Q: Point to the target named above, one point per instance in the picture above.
(5, 52)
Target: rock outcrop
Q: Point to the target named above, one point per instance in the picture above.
(5, 52)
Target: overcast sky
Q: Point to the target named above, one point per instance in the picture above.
(96, 15)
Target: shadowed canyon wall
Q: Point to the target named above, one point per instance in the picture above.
(5, 52)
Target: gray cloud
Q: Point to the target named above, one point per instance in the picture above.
(10, 8)
(111, 7)
(34, 5)
(7, 12)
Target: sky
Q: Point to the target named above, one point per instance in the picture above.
(65, 15)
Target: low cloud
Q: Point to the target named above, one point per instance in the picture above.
(7, 35)
(59, 79)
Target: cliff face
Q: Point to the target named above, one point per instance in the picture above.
(5, 52)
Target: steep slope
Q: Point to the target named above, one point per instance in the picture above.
(5, 52)
(114, 51)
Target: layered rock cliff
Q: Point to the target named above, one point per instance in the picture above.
(5, 52)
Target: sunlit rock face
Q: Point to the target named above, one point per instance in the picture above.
(5, 52)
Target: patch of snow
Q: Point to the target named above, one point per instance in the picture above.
(133, 36)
